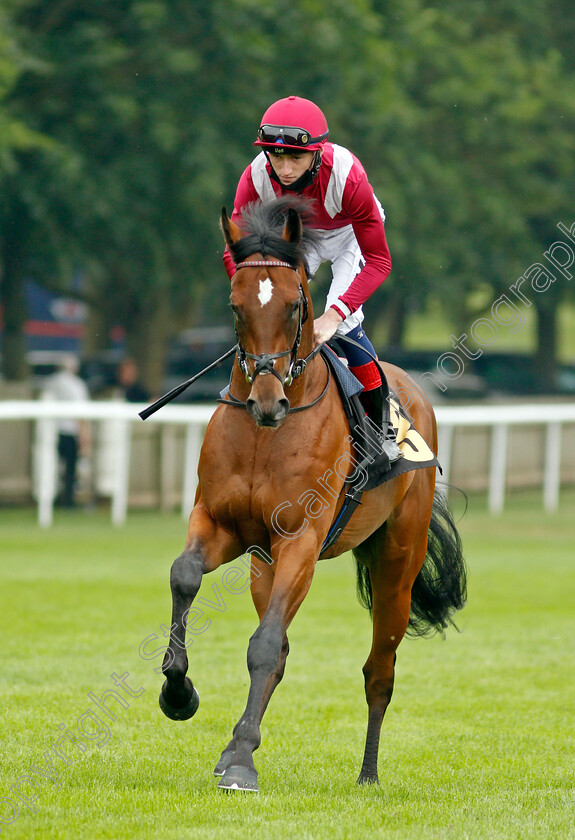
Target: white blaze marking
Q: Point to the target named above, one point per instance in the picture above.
(265, 292)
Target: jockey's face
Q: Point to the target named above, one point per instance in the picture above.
(289, 168)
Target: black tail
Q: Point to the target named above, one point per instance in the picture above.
(440, 589)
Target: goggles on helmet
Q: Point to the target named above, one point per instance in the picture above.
(279, 135)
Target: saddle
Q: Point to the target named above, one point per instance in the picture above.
(372, 466)
(367, 438)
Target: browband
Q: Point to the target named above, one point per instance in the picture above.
(258, 263)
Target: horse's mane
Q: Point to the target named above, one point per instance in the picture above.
(263, 223)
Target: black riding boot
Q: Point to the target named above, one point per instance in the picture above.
(378, 412)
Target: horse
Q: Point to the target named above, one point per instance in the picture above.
(280, 429)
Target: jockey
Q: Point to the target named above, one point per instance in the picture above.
(296, 157)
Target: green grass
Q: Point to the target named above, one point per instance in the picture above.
(478, 741)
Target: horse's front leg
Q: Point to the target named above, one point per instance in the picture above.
(207, 547)
(267, 650)
(261, 587)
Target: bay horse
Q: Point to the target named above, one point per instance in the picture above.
(280, 428)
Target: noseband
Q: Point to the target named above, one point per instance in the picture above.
(264, 362)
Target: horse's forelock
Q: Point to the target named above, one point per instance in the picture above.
(263, 224)
(268, 245)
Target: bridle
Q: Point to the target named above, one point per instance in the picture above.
(264, 362)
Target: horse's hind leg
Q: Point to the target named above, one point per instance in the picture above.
(392, 569)
(207, 547)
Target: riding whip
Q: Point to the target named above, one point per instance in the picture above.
(179, 389)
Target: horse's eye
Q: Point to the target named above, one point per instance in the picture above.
(294, 309)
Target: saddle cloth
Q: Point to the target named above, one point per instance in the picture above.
(417, 454)
(373, 467)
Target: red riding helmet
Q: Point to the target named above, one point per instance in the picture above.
(293, 123)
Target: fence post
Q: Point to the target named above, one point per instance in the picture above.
(123, 430)
(191, 457)
(552, 466)
(497, 467)
(168, 463)
(444, 450)
(47, 466)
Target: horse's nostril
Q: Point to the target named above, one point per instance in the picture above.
(283, 408)
(268, 415)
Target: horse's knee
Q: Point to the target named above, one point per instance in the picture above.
(186, 573)
(281, 666)
(265, 649)
(284, 652)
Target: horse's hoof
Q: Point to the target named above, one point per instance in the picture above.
(239, 778)
(367, 779)
(226, 759)
(184, 712)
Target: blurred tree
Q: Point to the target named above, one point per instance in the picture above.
(153, 107)
(22, 220)
(477, 156)
(110, 91)
(133, 119)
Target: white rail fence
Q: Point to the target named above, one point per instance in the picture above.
(121, 417)
(500, 418)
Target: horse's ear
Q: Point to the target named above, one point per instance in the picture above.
(293, 229)
(230, 230)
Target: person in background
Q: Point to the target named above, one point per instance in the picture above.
(73, 435)
(129, 382)
(296, 158)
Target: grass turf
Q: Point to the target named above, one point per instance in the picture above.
(478, 740)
